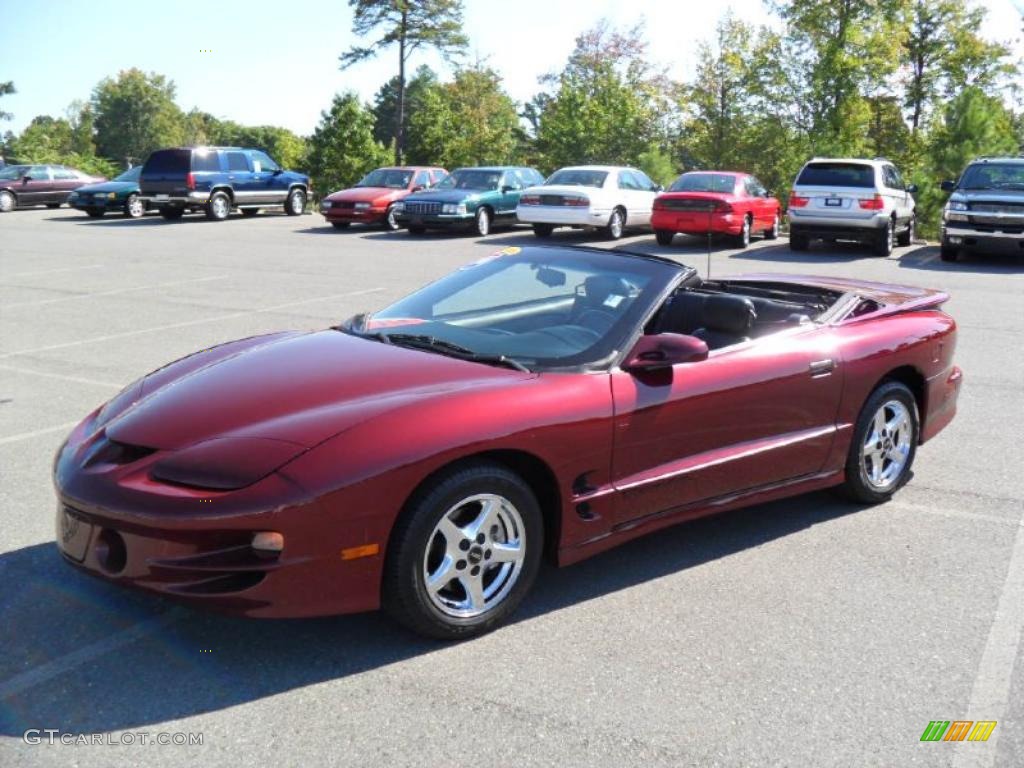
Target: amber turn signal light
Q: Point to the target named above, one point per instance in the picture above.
(268, 542)
(365, 550)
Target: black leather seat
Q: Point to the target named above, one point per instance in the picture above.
(603, 297)
(683, 313)
(726, 320)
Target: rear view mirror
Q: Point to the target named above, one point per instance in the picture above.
(552, 278)
(948, 186)
(664, 350)
(912, 188)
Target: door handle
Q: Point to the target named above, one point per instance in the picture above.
(822, 367)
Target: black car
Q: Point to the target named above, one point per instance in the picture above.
(217, 179)
(986, 210)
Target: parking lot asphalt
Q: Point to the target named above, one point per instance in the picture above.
(807, 632)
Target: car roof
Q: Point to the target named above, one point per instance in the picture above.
(494, 168)
(853, 160)
(1012, 160)
(720, 173)
(598, 168)
(609, 252)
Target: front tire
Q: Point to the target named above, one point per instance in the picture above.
(295, 205)
(390, 221)
(616, 224)
(883, 446)
(134, 208)
(219, 207)
(464, 553)
(543, 230)
(482, 222)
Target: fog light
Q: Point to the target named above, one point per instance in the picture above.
(111, 553)
(268, 542)
(955, 240)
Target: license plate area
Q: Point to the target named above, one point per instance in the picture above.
(73, 534)
(161, 197)
(833, 202)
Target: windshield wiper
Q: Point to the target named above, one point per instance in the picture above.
(432, 343)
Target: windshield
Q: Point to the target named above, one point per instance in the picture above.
(392, 178)
(471, 179)
(543, 308)
(13, 171)
(704, 182)
(993, 176)
(578, 178)
(132, 174)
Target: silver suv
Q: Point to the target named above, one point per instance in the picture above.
(851, 199)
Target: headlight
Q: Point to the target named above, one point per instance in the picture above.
(225, 463)
(112, 196)
(73, 196)
(361, 206)
(457, 208)
(956, 205)
(325, 205)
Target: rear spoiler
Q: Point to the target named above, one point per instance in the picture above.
(933, 300)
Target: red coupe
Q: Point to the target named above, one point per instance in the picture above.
(541, 402)
(716, 202)
(371, 200)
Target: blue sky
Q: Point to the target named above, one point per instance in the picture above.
(276, 63)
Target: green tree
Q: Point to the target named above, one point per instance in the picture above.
(385, 105)
(411, 25)
(288, 149)
(44, 140)
(342, 148)
(485, 127)
(135, 114)
(608, 105)
(82, 121)
(6, 89)
(973, 124)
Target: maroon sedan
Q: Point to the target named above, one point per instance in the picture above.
(542, 402)
(371, 200)
(49, 185)
(716, 202)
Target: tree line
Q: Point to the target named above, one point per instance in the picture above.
(911, 80)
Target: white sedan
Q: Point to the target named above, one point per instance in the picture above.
(605, 197)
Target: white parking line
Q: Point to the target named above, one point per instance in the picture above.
(991, 692)
(36, 433)
(53, 271)
(61, 377)
(185, 323)
(51, 669)
(114, 292)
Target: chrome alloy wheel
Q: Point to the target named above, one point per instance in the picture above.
(474, 556)
(135, 207)
(221, 207)
(887, 446)
(775, 227)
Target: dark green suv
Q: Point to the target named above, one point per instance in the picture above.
(470, 198)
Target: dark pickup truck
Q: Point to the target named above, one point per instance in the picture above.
(217, 179)
(985, 211)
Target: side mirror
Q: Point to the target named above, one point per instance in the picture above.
(278, 171)
(506, 189)
(948, 186)
(659, 188)
(912, 189)
(664, 350)
(418, 188)
(26, 177)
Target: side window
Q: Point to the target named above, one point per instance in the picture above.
(261, 162)
(63, 174)
(422, 179)
(889, 176)
(206, 161)
(39, 173)
(759, 187)
(897, 178)
(644, 181)
(626, 180)
(237, 161)
(511, 179)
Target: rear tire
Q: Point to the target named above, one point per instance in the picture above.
(799, 242)
(616, 224)
(881, 455)
(949, 252)
(295, 205)
(543, 230)
(95, 213)
(664, 236)
(219, 207)
(172, 214)
(430, 537)
(885, 240)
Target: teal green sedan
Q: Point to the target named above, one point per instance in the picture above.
(119, 196)
(470, 198)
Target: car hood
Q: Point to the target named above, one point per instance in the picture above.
(110, 186)
(449, 195)
(989, 196)
(367, 194)
(302, 388)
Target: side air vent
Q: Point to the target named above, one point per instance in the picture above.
(108, 451)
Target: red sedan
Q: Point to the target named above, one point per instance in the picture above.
(371, 200)
(716, 202)
(539, 403)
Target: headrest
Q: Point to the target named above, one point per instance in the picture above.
(599, 287)
(732, 314)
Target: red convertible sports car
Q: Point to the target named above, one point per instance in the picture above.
(716, 202)
(539, 403)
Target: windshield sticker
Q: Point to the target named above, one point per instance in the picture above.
(512, 250)
(613, 301)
